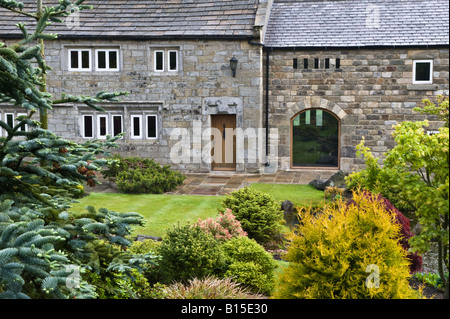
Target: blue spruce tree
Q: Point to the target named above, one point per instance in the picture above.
(42, 245)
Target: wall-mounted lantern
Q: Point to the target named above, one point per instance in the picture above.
(233, 65)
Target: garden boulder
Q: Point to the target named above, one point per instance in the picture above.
(337, 180)
(289, 213)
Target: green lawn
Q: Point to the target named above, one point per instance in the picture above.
(298, 194)
(162, 212)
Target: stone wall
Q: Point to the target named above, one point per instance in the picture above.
(203, 81)
(371, 92)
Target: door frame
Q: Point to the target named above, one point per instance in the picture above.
(292, 142)
(216, 167)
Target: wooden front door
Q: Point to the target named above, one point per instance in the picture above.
(223, 153)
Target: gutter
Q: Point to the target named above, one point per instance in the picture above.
(267, 105)
(139, 37)
(259, 32)
(266, 102)
(374, 47)
(267, 76)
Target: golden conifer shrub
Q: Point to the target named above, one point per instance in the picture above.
(349, 251)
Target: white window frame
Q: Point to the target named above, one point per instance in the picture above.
(107, 61)
(80, 61)
(113, 128)
(5, 119)
(132, 136)
(83, 128)
(163, 60)
(432, 132)
(156, 124)
(169, 59)
(99, 117)
(431, 71)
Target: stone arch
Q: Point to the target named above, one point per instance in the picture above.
(316, 102)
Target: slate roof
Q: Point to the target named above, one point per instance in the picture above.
(355, 23)
(151, 18)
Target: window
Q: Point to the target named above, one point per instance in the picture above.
(322, 64)
(316, 63)
(173, 60)
(142, 125)
(24, 127)
(423, 72)
(102, 126)
(315, 139)
(107, 59)
(136, 126)
(117, 125)
(152, 127)
(159, 61)
(88, 126)
(9, 119)
(433, 132)
(80, 60)
(295, 63)
(104, 59)
(166, 60)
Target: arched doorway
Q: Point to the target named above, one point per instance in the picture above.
(315, 136)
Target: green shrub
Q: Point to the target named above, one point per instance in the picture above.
(209, 288)
(119, 286)
(260, 215)
(187, 252)
(341, 253)
(117, 163)
(136, 175)
(249, 264)
(414, 177)
(430, 279)
(145, 247)
(151, 272)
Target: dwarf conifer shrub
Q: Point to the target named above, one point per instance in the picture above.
(348, 252)
(405, 230)
(260, 215)
(224, 227)
(136, 175)
(187, 252)
(249, 264)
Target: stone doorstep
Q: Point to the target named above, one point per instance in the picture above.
(217, 181)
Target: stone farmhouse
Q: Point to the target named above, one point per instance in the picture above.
(247, 85)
